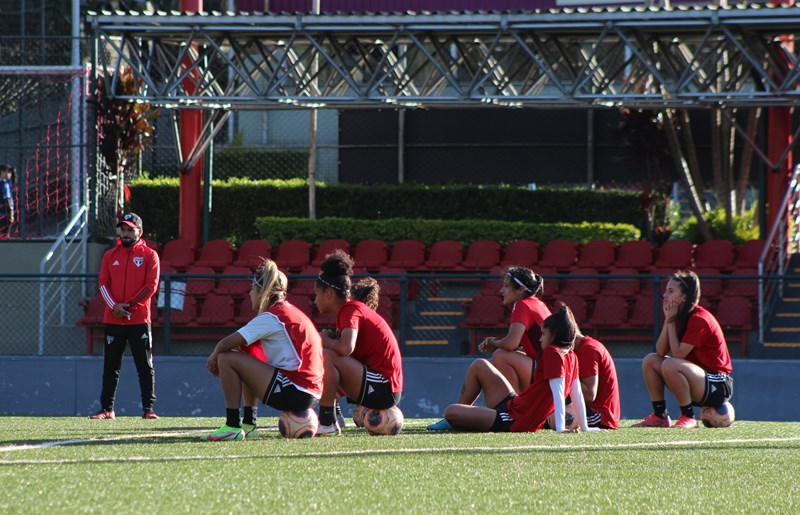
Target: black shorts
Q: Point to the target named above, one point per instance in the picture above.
(283, 395)
(503, 421)
(376, 392)
(719, 389)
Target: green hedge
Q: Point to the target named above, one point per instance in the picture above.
(279, 229)
(238, 202)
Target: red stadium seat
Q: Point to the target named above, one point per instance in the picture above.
(304, 285)
(643, 314)
(153, 244)
(185, 316)
(408, 255)
(559, 254)
(735, 316)
(385, 309)
(552, 283)
(390, 285)
(711, 282)
(178, 254)
(586, 287)
(611, 311)
(302, 302)
(371, 254)
(482, 255)
(199, 286)
(576, 304)
(252, 252)
(521, 253)
(293, 255)
(597, 254)
(743, 282)
(716, 254)
(748, 254)
(492, 285)
(216, 310)
(637, 254)
(93, 312)
(245, 313)
(484, 312)
(327, 247)
(236, 287)
(445, 255)
(674, 254)
(618, 284)
(216, 254)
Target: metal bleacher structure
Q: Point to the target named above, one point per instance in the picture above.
(687, 56)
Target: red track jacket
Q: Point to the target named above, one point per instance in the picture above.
(129, 276)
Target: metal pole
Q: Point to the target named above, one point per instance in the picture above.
(401, 146)
(75, 113)
(312, 136)
(590, 147)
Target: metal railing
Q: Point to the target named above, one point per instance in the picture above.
(780, 244)
(67, 255)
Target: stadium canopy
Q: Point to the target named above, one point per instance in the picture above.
(641, 57)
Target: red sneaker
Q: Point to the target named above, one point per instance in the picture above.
(149, 414)
(653, 421)
(686, 423)
(103, 415)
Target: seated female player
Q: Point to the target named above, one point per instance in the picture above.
(515, 354)
(364, 360)
(555, 377)
(691, 357)
(292, 378)
(598, 377)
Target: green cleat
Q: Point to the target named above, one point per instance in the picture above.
(250, 431)
(225, 433)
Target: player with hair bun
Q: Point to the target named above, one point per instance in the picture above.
(515, 354)
(691, 357)
(291, 380)
(555, 377)
(368, 291)
(364, 361)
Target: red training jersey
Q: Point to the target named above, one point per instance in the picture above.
(129, 275)
(710, 348)
(531, 407)
(291, 344)
(594, 360)
(376, 346)
(530, 312)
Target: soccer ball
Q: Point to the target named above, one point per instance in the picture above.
(571, 421)
(384, 421)
(721, 416)
(358, 415)
(298, 424)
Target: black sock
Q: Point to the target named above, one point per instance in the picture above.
(660, 409)
(232, 417)
(687, 411)
(250, 415)
(326, 417)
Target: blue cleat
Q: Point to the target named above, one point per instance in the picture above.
(442, 425)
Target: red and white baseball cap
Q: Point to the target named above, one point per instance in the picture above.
(131, 220)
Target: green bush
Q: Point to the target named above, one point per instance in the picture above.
(238, 202)
(744, 228)
(279, 229)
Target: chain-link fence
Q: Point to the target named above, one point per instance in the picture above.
(431, 314)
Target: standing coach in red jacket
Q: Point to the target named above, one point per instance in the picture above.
(128, 279)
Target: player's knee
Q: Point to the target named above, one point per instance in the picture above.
(652, 362)
(479, 364)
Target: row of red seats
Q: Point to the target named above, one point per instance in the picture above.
(482, 255)
(220, 310)
(734, 313)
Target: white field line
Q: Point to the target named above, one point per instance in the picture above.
(365, 452)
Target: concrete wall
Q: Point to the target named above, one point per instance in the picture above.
(70, 386)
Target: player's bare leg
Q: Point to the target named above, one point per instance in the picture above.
(515, 366)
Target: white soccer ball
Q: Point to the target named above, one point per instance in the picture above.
(571, 421)
(358, 415)
(298, 424)
(384, 421)
(721, 416)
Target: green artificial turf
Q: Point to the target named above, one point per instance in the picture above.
(131, 465)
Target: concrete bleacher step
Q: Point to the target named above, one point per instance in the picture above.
(782, 334)
(435, 324)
